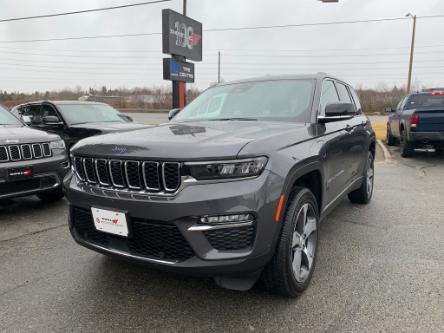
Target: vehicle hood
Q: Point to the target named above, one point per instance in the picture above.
(23, 134)
(110, 127)
(193, 141)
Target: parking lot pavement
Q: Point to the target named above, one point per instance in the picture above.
(380, 268)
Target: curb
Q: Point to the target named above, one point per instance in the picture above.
(385, 151)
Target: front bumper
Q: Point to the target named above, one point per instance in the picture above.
(165, 231)
(47, 175)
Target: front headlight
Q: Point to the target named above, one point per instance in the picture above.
(225, 170)
(59, 144)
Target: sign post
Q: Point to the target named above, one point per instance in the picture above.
(182, 39)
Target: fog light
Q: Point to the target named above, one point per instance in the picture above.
(235, 218)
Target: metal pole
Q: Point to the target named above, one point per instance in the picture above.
(179, 87)
(412, 51)
(218, 67)
(182, 85)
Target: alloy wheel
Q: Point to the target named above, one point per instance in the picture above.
(370, 175)
(304, 242)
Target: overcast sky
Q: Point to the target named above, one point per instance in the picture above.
(365, 54)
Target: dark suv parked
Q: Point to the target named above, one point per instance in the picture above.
(74, 120)
(417, 123)
(31, 161)
(234, 187)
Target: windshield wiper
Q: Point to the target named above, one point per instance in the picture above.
(234, 118)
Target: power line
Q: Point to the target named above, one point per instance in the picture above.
(83, 11)
(78, 38)
(222, 29)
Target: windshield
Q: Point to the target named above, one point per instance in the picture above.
(425, 101)
(278, 100)
(90, 113)
(7, 118)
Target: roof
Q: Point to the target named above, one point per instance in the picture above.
(67, 102)
(316, 76)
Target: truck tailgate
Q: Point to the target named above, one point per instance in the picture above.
(430, 120)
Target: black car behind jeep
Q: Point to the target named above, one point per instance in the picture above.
(417, 123)
(74, 120)
(234, 187)
(31, 161)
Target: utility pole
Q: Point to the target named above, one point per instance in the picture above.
(412, 51)
(179, 87)
(218, 67)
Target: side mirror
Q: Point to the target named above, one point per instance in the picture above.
(52, 121)
(27, 120)
(173, 113)
(337, 112)
(389, 110)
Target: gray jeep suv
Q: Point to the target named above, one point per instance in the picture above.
(31, 161)
(234, 187)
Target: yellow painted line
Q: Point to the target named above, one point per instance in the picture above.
(380, 128)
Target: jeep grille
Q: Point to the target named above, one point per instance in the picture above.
(133, 175)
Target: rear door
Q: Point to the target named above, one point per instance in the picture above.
(359, 141)
(335, 159)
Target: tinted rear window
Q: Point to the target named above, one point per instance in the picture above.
(425, 101)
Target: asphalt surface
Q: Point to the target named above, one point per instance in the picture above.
(380, 268)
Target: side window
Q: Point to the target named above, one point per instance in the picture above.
(33, 111)
(48, 110)
(329, 95)
(398, 107)
(356, 100)
(403, 103)
(343, 93)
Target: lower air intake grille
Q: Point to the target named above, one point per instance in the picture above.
(159, 241)
(231, 238)
(147, 239)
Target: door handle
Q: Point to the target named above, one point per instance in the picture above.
(348, 128)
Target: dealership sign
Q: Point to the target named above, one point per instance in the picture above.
(181, 35)
(178, 70)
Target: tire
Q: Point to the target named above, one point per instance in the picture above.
(363, 195)
(405, 146)
(391, 141)
(294, 249)
(51, 195)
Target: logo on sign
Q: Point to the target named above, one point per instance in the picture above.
(185, 36)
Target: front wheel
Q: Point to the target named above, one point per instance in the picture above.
(290, 271)
(364, 194)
